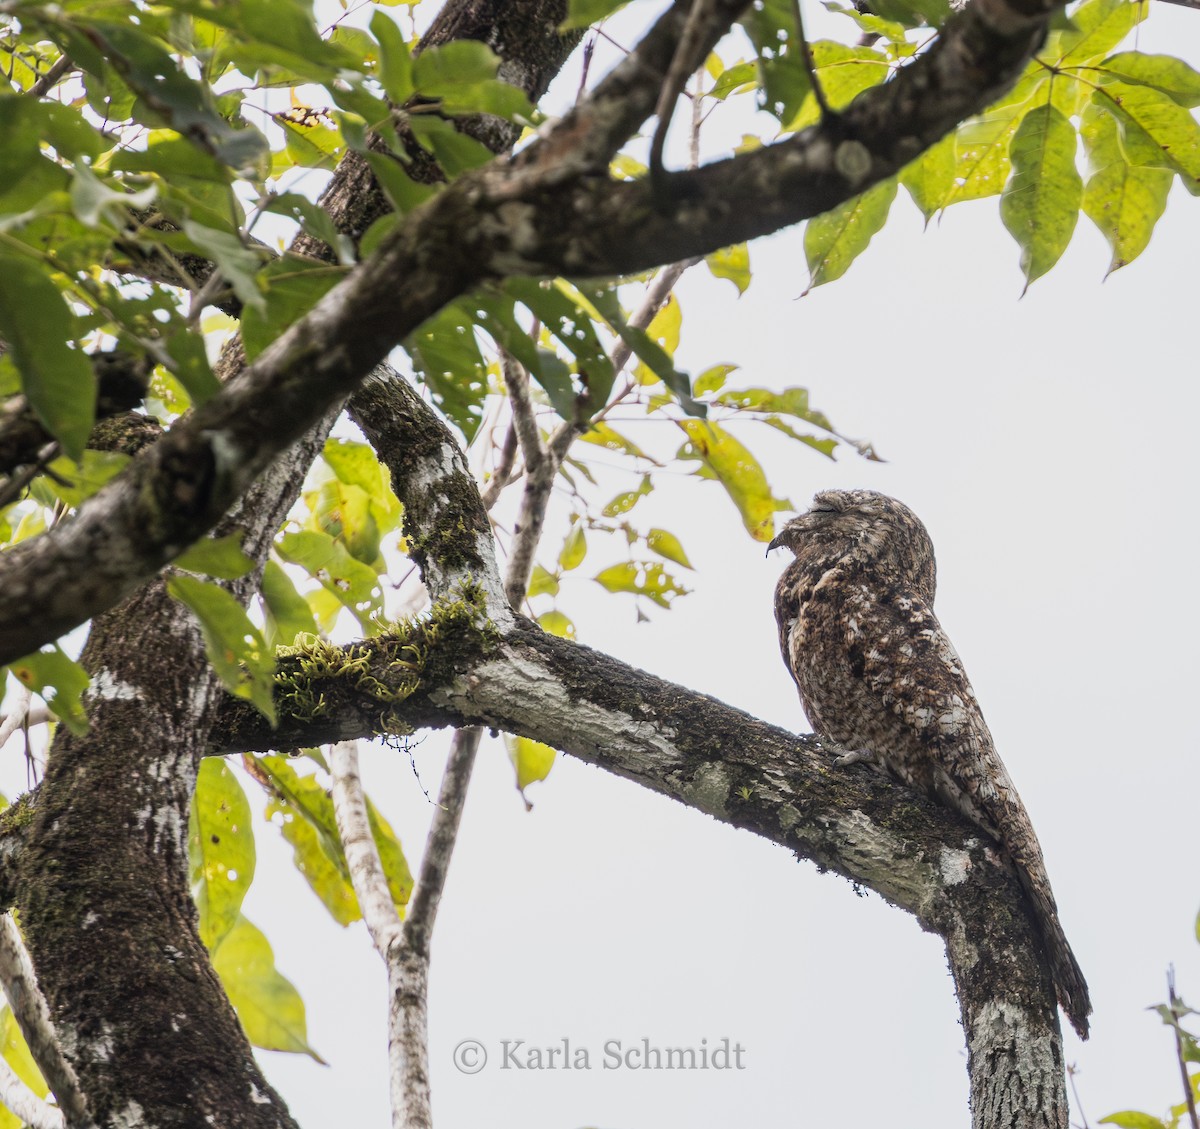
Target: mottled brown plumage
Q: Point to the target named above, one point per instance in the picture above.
(877, 674)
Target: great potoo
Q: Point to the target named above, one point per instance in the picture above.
(878, 676)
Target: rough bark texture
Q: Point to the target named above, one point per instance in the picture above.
(145, 1023)
(742, 771)
(99, 860)
(553, 210)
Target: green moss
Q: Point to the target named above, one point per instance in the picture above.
(419, 653)
(16, 817)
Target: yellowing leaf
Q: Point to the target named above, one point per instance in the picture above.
(220, 849)
(640, 578)
(1123, 200)
(531, 759)
(542, 583)
(1040, 205)
(556, 623)
(738, 471)
(267, 1003)
(732, 263)
(930, 178)
(574, 548)
(1169, 125)
(667, 545)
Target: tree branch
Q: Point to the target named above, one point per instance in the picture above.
(547, 211)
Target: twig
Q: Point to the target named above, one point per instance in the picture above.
(516, 380)
(46, 83)
(33, 1017)
(404, 948)
(20, 1100)
(683, 62)
(806, 60)
(1183, 1070)
(503, 473)
(422, 910)
(16, 717)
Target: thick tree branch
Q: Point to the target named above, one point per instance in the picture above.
(742, 771)
(550, 211)
(146, 1023)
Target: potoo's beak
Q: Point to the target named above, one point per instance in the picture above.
(775, 544)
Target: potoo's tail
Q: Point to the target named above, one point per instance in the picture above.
(1069, 984)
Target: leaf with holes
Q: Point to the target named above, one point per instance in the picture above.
(221, 852)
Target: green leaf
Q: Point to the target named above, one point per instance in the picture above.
(531, 759)
(584, 13)
(739, 473)
(930, 178)
(1123, 200)
(1166, 123)
(395, 59)
(565, 320)
(221, 557)
(267, 1003)
(1171, 76)
(354, 584)
(59, 680)
(37, 326)
(235, 647)
(220, 849)
(166, 95)
(74, 482)
(790, 402)
(445, 351)
(92, 200)
(238, 263)
(1041, 201)
(640, 578)
(834, 240)
(667, 545)
(981, 146)
(1097, 27)
(740, 76)
(315, 221)
(288, 613)
(732, 263)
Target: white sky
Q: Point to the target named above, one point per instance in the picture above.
(1048, 444)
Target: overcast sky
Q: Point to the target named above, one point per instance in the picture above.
(1048, 444)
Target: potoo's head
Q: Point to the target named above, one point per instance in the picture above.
(862, 526)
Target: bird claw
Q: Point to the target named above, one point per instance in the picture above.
(855, 756)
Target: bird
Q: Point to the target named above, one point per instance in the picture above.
(880, 679)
